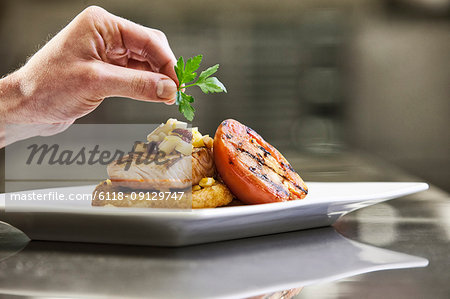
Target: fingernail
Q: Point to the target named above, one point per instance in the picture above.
(166, 89)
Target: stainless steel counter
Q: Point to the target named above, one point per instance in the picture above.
(417, 225)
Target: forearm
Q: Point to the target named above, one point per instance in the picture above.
(11, 100)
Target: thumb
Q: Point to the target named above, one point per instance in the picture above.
(136, 84)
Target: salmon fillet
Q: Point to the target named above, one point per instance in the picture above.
(174, 171)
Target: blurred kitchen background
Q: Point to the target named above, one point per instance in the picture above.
(318, 78)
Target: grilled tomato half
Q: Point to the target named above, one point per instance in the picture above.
(253, 170)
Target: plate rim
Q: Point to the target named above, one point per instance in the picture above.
(407, 189)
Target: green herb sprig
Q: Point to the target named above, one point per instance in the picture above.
(187, 75)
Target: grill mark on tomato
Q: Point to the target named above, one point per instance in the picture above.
(264, 177)
(288, 166)
(262, 162)
(266, 152)
(294, 184)
(299, 187)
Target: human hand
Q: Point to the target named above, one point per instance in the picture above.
(95, 56)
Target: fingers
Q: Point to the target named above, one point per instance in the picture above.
(139, 65)
(137, 84)
(136, 62)
(150, 44)
(124, 40)
(170, 102)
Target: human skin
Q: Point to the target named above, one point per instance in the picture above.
(97, 55)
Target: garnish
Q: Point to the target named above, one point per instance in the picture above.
(186, 74)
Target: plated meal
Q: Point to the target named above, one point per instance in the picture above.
(178, 167)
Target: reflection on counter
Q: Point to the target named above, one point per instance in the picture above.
(238, 269)
(12, 241)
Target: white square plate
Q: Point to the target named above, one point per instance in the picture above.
(78, 221)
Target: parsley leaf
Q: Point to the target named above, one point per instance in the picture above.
(191, 66)
(211, 84)
(179, 69)
(184, 105)
(208, 72)
(187, 73)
